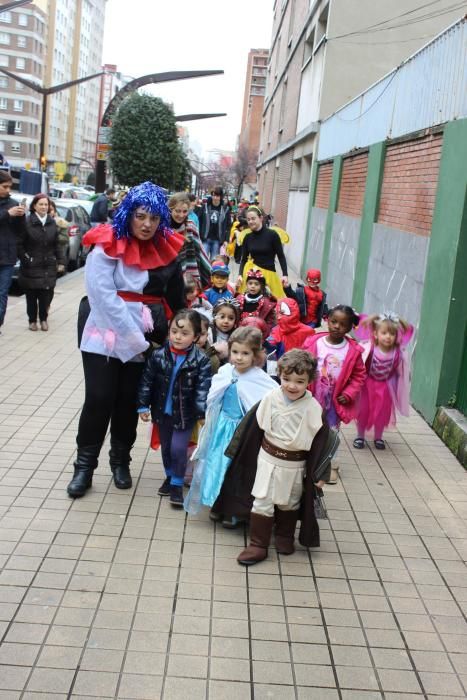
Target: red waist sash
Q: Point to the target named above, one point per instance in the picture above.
(146, 299)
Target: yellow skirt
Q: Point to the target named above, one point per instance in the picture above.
(272, 279)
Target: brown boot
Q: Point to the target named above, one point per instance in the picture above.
(260, 537)
(286, 522)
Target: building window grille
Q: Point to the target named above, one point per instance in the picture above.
(22, 41)
(5, 17)
(16, 147)
(18, 127)
(18, 105)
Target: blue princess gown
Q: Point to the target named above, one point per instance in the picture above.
(208, 477)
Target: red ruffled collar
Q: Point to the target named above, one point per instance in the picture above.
(147, 255)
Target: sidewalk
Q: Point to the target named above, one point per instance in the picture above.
(117, 595)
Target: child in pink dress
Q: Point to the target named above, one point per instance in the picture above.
(341, 372)
(387, 386)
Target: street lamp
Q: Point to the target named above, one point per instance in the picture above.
(45, 92)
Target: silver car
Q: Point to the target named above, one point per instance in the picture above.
(78, 222)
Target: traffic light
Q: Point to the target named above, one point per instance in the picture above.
(43, 162)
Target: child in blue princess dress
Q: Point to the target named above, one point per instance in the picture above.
(237, 387)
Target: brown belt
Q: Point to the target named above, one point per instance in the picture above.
(288, 455)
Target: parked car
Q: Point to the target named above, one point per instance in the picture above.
(79, 222)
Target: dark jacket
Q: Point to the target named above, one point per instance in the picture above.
(39, 251)
(235, 497)
(10, 228)
(100, 209)
(224, 225)
(190, 389)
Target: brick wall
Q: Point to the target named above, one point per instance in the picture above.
(352, 187)
(409, 184)
(323, 187)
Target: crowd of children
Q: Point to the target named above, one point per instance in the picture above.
(261, 438)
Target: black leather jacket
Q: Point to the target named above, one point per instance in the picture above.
(190, 389)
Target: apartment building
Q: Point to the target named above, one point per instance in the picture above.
(75, 36)
(253, 104)
(22, 51)
(324, 53)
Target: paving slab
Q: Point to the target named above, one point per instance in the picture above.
(117, 595)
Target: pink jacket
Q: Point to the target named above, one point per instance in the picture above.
(350, 380)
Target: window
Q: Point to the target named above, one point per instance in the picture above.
(322, 25)
(309, 41)
(4, 38)
(18, 127)
(19, 86)
(3, 82)
(22, 20)
(18, 105)
(16, 147)
(5, 17)
(3, 103)
(22, 41)
(20, 63)
(2, 124)
(3, 60)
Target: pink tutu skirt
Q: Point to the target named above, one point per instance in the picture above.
(376, 405)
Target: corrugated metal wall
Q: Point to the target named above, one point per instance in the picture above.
(429, 88)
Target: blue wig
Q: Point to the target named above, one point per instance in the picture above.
(147, 195)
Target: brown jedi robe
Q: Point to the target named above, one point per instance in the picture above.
(235, 498)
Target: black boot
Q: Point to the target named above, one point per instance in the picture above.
(85, 463)
(119, 458)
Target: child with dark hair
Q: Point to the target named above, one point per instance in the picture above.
(225, 319)
(341, 372)
(256, 302)
(219, 288)
(196, 299)
(173, 392)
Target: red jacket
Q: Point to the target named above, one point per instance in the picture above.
(266, 310)
(349, 382)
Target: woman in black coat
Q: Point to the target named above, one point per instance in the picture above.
(41, 257)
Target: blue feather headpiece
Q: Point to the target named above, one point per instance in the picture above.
(147, 195)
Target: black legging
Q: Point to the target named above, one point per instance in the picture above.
(110, 397)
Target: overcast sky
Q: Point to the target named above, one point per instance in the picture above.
(152, 36)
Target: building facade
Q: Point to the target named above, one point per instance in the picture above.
(75, 39)
(252, 114)
(23, 35)
(387, 221)
(323, 53)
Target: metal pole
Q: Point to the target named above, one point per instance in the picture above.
(43, 123)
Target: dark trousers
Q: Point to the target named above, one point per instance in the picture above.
(110, 397)
(174, 445)
(6, 275)
(38, 300)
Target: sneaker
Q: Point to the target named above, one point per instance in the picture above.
(176, 496)
(33, 326)
(164, 490)
(231, 522)
(334, 476)
(44, 326)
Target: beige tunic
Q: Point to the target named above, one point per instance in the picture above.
(290, 426)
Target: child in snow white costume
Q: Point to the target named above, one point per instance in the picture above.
(134, 285)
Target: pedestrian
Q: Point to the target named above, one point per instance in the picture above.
(290, 332)
(291, 424)
(310, 298)
(195, 263)
(234, 390)
(172, 393)
(12, 225)
(193, 212)
(41, 256)
(204, 345)
(62, 229)
(387, 386)
(134, 284)
(100, 208)
(260, 248)
(341, 372)
(257, 302)
(225, 319)
(219, 288)
(214, 223)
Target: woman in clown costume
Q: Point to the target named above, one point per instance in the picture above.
(134, 284)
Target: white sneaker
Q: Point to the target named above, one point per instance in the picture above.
(334, 476)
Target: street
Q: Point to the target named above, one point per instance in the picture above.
(117, 595)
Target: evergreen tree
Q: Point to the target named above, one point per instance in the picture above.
(145, 144)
